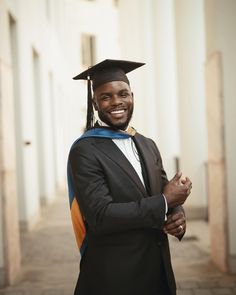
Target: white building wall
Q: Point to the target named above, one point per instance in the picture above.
(27, 148)
(190, 40)
(228, 43)
(166, 83)
(221, 32)
(104, 26)
(98, 18)
(9, 230)
(50, 105)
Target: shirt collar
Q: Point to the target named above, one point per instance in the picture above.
(103, 124)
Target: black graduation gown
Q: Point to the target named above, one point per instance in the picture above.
(127, 252)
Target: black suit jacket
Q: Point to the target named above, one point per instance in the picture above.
(127, 252)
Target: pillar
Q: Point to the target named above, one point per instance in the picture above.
(221, 47)
(190, 43)
(9, 230)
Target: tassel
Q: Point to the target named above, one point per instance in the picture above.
(90, 112)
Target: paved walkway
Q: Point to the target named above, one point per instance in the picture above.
(50, 259)
(195, 274)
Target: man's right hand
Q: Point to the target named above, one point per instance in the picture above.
(177, 190)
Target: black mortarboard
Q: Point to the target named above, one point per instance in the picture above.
(106, 71)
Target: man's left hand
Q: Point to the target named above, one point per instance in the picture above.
(175, 224)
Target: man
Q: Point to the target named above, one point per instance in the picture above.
(122, 204)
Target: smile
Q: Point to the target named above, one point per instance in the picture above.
(116, 112)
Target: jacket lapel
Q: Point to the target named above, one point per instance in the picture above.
(148, 163)
(110, 150)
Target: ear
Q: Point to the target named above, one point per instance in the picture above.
(95, 104)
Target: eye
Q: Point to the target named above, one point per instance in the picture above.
(104, 97)
(124, 94)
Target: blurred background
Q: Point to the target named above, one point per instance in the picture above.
(184, 100)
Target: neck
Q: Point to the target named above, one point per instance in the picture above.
(103, 124)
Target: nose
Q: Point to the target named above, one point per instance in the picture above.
(116, 100)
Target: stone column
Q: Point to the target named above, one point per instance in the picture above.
(221, 45)
(166, 83)
(190, 43)
(216, 161)
(9, 230)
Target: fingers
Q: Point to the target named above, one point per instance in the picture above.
(175, 224)
(184, 181)
(173, 217)
(177, 231)
(175, 220)
(177, 190)
(187, 184)
(177, 177)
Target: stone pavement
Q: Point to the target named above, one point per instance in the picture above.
(194, 272)
(50, 259)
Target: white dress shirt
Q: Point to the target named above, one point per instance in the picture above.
(128, 148)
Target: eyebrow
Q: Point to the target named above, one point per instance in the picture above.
(104, 93)
(121, 90)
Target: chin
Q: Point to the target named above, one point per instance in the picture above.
(122, 124)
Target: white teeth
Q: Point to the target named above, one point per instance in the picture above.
(118, 112)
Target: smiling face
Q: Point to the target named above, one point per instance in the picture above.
(114, 103)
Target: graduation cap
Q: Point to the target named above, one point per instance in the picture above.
(106, 71)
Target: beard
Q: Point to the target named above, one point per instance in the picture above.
(119, 125)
